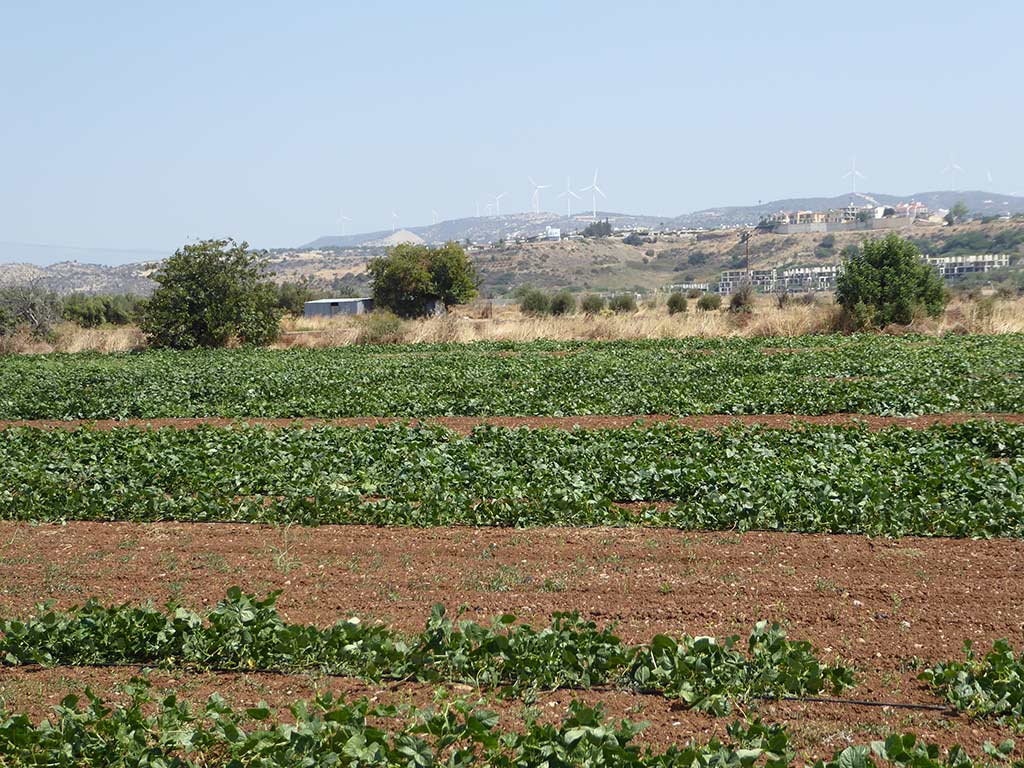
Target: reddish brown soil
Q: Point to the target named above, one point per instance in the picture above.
(465, 424)
(879, 604)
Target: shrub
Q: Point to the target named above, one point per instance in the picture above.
(562, 303)
(535, 302)
(592, 304)
(743, 299)
(676, 303)
(379, 327)
(633, 239)
(624, 302)
(292, 297)
(210, 292)
(92, 311)
(693, 293)
(28, 307)
(887, 283)
(709, 302)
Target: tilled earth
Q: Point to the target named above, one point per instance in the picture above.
(885, 606)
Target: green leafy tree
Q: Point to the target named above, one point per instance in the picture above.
(209, 293)
(292, 297)
(411, 277)
(598, 229)
(957, 213)
(887, 283)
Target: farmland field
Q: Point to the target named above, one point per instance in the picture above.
(488, 541)
(807, 375)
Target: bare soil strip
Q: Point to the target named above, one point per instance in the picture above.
(465, 424)
(880, 604)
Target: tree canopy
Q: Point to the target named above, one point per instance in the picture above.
(411, 277)
(886, 282)
(209, 293)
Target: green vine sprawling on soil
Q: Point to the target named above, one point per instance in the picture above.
(957, 480)
(244, 633)
(990, 685)
(330, 731)
(882, 375)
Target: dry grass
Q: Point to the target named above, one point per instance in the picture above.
(68, 337)
(767, 319)
(508, 324)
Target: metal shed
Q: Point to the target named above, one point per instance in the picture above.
(332, 307)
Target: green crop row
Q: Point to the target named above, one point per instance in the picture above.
(961, 480)
(244, 633)
(990, 685)
(331, 732)
(863, 374)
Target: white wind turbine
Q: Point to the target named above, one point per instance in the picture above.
(536, 193)
(394, 222)
(853, 174)
(568, 195)
(433, 215)
(497, 204)
(952, 169)
(344, 219)
(595, 190)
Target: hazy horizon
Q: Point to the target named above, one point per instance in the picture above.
(131, 130)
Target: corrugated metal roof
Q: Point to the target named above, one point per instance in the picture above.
(336, 301)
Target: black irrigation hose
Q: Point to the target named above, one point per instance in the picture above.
(947, 709)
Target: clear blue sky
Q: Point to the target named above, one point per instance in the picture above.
(136, 125)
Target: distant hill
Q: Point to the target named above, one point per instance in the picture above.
(490, 229)
(337, 264)
(68, 277)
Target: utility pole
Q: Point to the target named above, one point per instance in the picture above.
(745, 239)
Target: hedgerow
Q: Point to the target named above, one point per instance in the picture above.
(959, 480)
(245, 633)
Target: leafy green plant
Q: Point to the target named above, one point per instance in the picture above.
(244, 632)
(992, 685)
(956, 480)
(885, 375)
